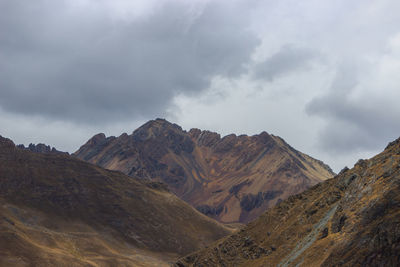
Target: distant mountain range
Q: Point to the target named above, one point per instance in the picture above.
(231, 179)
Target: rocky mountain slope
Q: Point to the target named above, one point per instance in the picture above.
(56, 210)
(350, 220)
(232, 179)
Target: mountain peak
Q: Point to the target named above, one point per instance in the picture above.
(233, 178)
(160, 124)
(96, 139)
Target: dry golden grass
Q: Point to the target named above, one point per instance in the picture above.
(350, 220)
(58, 210)
(26, 241)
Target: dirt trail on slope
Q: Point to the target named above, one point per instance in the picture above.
(308, 240)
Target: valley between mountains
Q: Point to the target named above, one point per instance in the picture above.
(164, 196)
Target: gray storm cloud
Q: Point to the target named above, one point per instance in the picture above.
(324, 75)
(287, 60)
(354, 123)
(62, 62)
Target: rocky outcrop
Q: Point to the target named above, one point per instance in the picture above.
(350, 220)
(41, 148)
(6, 144)
(250, 201)
(208, 210)
(228, 178)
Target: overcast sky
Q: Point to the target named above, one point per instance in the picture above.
(323, 75)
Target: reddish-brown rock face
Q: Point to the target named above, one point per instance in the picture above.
(232, 179)
(350, 220)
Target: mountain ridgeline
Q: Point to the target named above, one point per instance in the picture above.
(350, 220)
(58, 210)
(41, 148)
(231, 179)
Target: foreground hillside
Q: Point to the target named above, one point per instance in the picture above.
(56, 210)
(232, 179)
(351, 220)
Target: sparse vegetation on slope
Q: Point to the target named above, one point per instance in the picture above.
(350, 220)
(56, 209)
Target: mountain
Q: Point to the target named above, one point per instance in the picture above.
(350, 220)
(56, 210)
(231, 179)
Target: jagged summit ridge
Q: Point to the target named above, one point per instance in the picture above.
(41, 148)
(231, 178)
